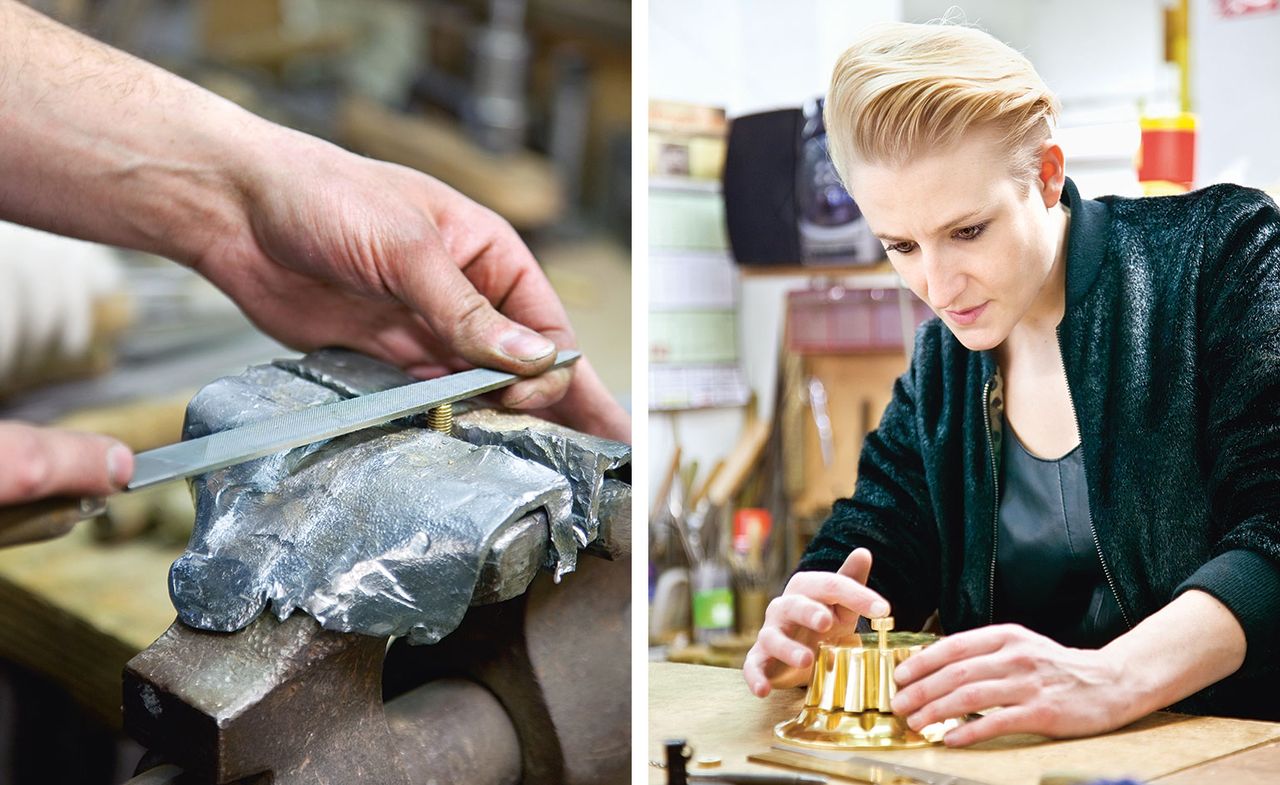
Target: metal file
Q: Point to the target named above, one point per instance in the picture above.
(48, 518)
(314, 424)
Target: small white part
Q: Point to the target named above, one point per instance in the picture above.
(48, 286)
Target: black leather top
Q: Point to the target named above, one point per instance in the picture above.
(1048, 575)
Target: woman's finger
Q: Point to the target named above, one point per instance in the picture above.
(971, 698)
(954, 648)
(833, 588)
(1014, 719)
(797, 609)
(778, 646)
(950, 678)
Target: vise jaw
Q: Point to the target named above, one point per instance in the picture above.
(392, 534)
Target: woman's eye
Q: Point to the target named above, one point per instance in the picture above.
(903, 247)
(969, 232)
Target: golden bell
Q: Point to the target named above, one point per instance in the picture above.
(847, 705)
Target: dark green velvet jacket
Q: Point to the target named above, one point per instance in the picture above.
(1171, 342)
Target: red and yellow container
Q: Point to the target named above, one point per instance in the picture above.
(1167, 157)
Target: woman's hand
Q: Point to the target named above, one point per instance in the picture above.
(1041, 686)
(816, 607)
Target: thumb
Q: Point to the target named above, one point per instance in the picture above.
(467, 323)
(36, 463)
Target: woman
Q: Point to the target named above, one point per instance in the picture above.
(1080, 470)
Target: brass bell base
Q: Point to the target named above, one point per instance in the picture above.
(841, 730)
(850, 692)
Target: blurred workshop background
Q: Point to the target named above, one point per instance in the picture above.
(523, 105)
(776, 326)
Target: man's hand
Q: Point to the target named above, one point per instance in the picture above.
(317, 246)
(816, 607)
(1041, 686)
(36, 463)
(343, 250)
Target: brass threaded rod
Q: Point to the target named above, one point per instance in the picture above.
(883, 625)
(441, 418)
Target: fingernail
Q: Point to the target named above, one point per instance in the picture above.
(816, 621)
(900, 674)
(525, 345)
(118, 465)
(879, 608)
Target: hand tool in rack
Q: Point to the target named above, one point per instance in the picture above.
(49, 518)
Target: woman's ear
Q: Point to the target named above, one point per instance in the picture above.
(1053, 175)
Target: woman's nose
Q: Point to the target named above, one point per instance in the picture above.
(944, 282)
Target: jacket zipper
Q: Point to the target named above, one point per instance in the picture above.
(1093, 530)
(995, 504)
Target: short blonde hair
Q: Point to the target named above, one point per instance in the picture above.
(907, 89)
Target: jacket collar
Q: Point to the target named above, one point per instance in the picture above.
(1086, 241)
(1086, 248)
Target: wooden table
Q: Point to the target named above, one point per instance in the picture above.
(77, 611)
(712, 709)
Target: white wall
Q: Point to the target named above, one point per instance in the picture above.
(752, 55)
(1235, 90)
(1105, 62)
(1091, 53)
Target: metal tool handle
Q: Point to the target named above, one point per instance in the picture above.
(45, 519)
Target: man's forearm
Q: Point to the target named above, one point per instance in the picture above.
(98, 144)
(1189, 644)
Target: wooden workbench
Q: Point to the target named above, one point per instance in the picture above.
(712, 709)
(77, 611)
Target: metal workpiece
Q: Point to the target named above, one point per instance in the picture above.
(383, 532)
(584, 460)
(515, 557)
(393, 530)
(345, 372)
(614, 538)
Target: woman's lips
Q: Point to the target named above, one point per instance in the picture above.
(968, 317)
